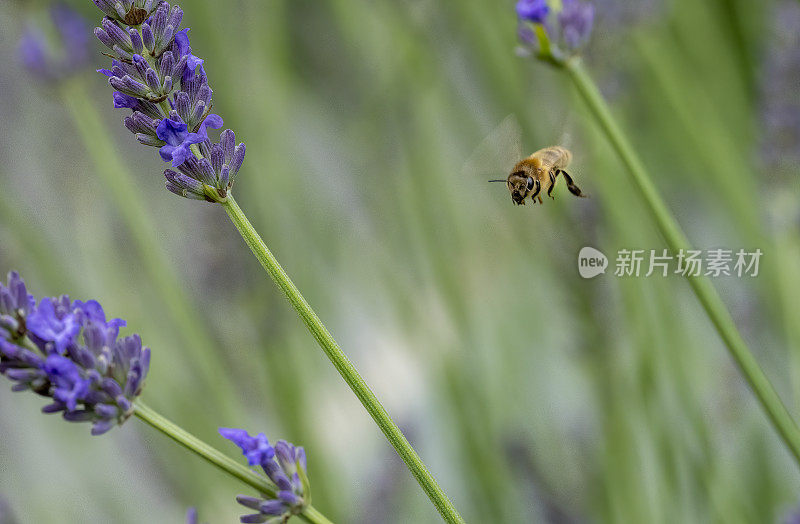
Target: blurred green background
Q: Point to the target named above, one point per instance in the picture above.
(533, 395)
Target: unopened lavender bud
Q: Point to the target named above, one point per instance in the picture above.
(129, 86)
(118, 36)
(237, 159)
(271, 507)
(141, 65)
(138, 122)
(166, 38)
(175, 16)
(152, 81)
(148, 40)
(167, 65)
(136, 41)
(103, 37)
(184, 186)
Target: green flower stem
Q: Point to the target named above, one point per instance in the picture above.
(128, 202)
(216, 457)
(676, 240)
(195, 445)
(311, 514)
(342, 363)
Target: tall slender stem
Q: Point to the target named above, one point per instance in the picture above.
(346, 368)
(216, 457)
(676, 240)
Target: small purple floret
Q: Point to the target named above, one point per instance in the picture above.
(255, 448)
(184, 49)
(179, 140)
(51, 325)
(533, 10)
(285, 465)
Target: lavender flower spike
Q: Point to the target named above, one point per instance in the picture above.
(69, 352)
(156, 75)
(285, 465)
(553, 40)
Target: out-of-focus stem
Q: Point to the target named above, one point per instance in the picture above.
(676, 240)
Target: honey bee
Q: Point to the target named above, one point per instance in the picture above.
(532, 174)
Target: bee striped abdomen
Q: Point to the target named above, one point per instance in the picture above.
(554, 156)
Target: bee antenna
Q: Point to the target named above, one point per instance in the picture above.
(501, 180)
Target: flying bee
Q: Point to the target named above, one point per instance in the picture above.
(501, 151)
(531, 175)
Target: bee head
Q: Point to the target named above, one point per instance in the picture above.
(520, 185)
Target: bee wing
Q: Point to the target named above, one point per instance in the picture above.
(566, 125)
(566, 139)
(497, 153)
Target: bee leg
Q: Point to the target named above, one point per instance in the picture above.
(536, 188)
(552, 184)
(575, 190)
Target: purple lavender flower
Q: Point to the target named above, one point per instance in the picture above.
(72, 53)
(191, 516)
(156, 75)
(217, 168)
(256, 449)
(179, 140)
(573, 25)
(533, 10)
(56, 326)
(285, 465)
(192, 62)
(14, 298)
(69, 351)
(575, 20)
